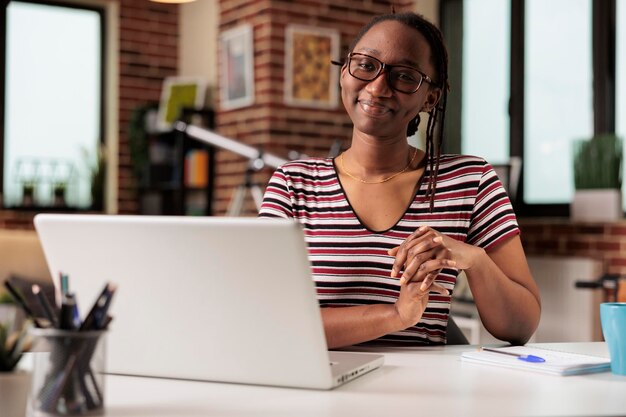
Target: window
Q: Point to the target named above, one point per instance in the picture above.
(53, 102)
(558, 95)
(485, 98)
(549, 64)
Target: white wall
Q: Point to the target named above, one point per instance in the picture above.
(429, 9)
(199, 27)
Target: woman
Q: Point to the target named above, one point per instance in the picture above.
(389, 226)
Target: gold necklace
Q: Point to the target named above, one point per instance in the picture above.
(343, 168)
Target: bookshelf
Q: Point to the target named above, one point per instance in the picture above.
(177, 178)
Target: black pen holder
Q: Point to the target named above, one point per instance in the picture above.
(68, 377)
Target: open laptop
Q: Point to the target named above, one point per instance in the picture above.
(214, 299)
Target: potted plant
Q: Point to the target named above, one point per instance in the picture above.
(597, 179)
(58, 194)
(14, 384)
(28, 193)
(96, 169)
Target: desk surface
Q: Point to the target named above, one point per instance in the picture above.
(430, 381)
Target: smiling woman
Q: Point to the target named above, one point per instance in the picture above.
(54, 96)
(389, 226)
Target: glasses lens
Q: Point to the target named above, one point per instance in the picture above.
(364, 67)
(403, 79)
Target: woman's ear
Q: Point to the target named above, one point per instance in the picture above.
(343, 72)
(432, 98)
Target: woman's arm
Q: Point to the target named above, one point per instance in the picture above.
(345, 326)
(504, 291)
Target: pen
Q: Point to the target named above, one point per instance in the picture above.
(525, 358)
(45, 305)
(96, 316)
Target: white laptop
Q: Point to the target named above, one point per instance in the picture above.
(213, 299)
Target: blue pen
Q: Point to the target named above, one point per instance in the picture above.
(525, 358)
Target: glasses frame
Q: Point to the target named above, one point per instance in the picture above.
(388, 68)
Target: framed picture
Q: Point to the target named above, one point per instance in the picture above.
(310, 79)
(178, 93)
(237, 68)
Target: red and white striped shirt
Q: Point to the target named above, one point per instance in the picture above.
(349, 262)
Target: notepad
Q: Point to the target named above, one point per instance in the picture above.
(556, 362)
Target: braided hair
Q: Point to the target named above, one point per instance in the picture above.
(436, 114)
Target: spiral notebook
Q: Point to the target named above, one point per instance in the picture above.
(556, 362)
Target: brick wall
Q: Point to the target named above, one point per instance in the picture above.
(148, 54)
(269, 123)
(560, 237)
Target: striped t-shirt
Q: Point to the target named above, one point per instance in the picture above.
(349, 262)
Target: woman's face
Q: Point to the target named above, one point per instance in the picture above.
(374, 107)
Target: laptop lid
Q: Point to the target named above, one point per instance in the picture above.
(215, 298)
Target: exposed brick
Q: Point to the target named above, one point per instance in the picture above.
(617, 229)
(590, 230)
(578, 245)
(148, 54)
(621, 262)
(547, 244)
(608, 246)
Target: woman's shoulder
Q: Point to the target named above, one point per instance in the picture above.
(453, 159)
(454, 162)
(308, 166)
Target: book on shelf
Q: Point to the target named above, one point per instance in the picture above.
(539, 360)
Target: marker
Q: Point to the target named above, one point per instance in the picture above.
(525, 358)
(69, 317)
(22, 302)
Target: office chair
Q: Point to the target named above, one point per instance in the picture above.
(454, 334)
(509, 174)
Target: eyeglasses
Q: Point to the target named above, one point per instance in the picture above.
(399, 77)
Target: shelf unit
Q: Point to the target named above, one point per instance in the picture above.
(178, 178)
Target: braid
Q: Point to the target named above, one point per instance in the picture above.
(437, 114)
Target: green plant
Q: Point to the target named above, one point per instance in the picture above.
(138, 139)
(28, 187)
(12, 343)
(598, 163)
(5, 297)
(12, 346)
(60, 187)
(96, 165)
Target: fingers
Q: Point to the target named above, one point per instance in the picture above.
(419, 232)
(414, 291)
(419, 249)
(427, 271)
(439, 289)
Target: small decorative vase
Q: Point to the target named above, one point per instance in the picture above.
(14, 391)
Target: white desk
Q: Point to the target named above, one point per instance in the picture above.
(412, 382)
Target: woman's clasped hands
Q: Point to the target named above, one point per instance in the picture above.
(420, 258)
(423, 255)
